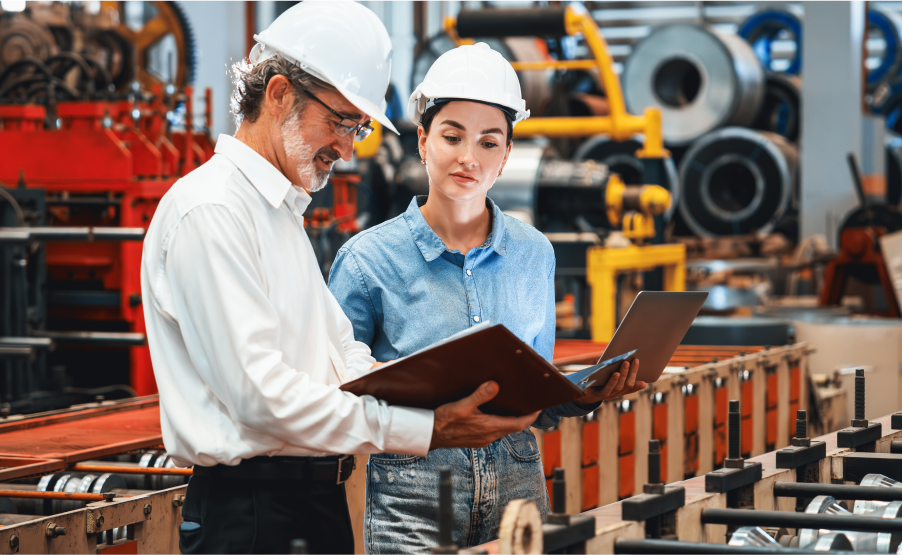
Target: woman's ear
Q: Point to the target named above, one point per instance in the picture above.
(506, 156)
(421, 142)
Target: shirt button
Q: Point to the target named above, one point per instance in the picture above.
(475, 318)
(468, 273)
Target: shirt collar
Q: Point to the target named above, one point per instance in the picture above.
(268, 180)
(431, 245)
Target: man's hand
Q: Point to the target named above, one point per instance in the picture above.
(621, 383)
(462, 424)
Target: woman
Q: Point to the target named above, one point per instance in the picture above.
(452, 260)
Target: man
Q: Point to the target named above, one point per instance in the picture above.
(248, 345)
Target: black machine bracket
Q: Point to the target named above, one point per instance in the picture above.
(656, 499)
(563, 531)
(862, 435)
(896, 422)
(803, 450)
(855, 466)
(736, 472)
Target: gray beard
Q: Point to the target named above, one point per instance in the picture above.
(311, 178)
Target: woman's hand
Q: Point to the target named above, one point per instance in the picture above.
(621, 383)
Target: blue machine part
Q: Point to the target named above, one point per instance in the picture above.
(889, 62)
(763, 28)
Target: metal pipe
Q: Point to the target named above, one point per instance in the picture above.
(837, 491)
(57, 495)
(121, 339)
(781, 519)
(18, 235)
(671, 546)
(132, 469)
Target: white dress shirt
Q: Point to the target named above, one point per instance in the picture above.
(248, 345)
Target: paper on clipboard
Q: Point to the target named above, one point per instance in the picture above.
(586, 377)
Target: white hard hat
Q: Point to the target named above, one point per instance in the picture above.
(470, 72)
(339, 42)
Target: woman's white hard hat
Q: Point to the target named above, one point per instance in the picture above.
(470, 72)
(340, 42)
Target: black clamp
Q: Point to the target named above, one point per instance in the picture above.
(736, 473)
(565, 533)
(862, 435)
(657, 505)
(896, 422)
(803, 450)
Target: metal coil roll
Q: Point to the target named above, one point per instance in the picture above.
(620, 157)
(781, 110)
(893, 160)
(762, 29)
(736, 181)
(700, 79)
(888, 24)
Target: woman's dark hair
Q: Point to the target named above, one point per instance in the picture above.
(251, 82)
(432, 111)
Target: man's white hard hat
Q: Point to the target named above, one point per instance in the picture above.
(339, 42)
(470, 72)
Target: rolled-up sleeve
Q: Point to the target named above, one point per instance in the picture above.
(544, 345)
(232, 332)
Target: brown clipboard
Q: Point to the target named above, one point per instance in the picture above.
(451, 370)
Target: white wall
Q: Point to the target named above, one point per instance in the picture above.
(219, 32)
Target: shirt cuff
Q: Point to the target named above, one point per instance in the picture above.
(410, 432)
(578, 410)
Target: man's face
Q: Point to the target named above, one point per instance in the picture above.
(311, 143)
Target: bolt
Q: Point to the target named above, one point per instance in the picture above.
(801, 424)
(54, 531)
(147, 508)
(98, 520)
(859, 398)
(801, 439)
(654, 484)
(734, 458)
(14, 543)
(178, 499)
(559, 492)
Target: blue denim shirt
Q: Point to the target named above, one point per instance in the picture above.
(403, 289)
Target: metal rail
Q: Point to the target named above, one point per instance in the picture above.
(57, 495)
(837, 491)
(781, 519)
(677, 547)
(133, 469)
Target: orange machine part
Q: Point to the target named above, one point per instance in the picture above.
(690, 460)
(659, 432)
(627, 432)
(125, 548)
(627, 475)
(720, 426)
(746, 411)
(551, 457)
(590, 443)
(590, 487)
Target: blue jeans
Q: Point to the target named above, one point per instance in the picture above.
(402, 493)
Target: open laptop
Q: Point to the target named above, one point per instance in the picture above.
(651, 331)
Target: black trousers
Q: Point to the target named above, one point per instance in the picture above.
(263, 516)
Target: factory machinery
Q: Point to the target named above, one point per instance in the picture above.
(94, 131)
(92, 480)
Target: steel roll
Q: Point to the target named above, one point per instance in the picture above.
(893, 172)
(888, 24)
(736, 181)
(768, 26)
(780, 111)
(700, 79)
(621, 158)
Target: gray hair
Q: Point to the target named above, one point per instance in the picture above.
(250, 83)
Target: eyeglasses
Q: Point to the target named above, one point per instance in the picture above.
(345, 126)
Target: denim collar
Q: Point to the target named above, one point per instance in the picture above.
(431, 245)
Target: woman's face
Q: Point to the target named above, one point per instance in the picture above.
(465, 150)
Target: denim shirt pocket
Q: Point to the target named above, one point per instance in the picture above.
(392, 459)
(523, 446)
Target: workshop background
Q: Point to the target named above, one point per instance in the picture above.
(752, 150)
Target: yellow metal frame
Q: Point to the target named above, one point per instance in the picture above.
(603, 265)
(619, 125)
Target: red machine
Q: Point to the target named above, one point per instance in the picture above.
(119, 158)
